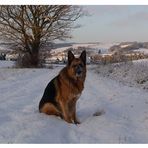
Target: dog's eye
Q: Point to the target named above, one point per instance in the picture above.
(81, 65)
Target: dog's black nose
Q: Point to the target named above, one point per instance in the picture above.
(78, 70)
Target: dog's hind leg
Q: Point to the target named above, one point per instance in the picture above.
(50, 109)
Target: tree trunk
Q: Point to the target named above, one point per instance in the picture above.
(35, 53)
(29, 59)
(34, 58)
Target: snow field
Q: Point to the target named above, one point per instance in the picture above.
(124, 110)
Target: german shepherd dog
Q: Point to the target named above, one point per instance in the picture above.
(62, 92)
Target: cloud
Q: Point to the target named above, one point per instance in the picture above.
(141, 16)
(106, 9)
(119, 15)
(131, 19)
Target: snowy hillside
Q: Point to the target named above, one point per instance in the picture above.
(60, 54)
(131, 73)
(143, 50)
(124, 117)
(95, 47)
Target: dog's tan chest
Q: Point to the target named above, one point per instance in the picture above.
(74, 96)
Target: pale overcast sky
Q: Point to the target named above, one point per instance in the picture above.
(110, 23)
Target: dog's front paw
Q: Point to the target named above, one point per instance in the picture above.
(76, 122)
(68, 120)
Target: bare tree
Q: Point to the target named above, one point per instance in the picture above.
(30, 26)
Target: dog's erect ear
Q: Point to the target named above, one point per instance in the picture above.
(70, 57)
(83, 57)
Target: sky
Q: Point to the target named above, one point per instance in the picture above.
(118, 21)
(112, 23)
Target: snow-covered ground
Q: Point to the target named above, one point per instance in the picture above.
(124, 110)
(6, 64)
